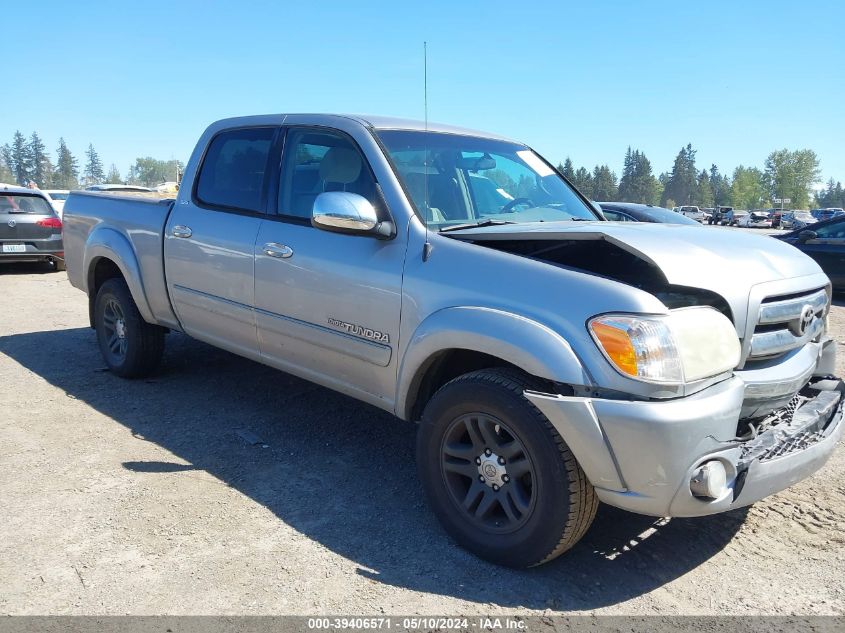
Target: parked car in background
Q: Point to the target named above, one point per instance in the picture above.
(708, 213)
(632, 212)
(827, 214)
(719, 215)
(30, 229)
(755, 220)
(776, 215)
(692, 212)
(117, 187)
(57, 198)
(797, 220)
(825, 243)
(733, 217)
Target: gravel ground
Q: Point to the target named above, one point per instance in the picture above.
(224, 487)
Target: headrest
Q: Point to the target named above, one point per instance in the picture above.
(341, 165)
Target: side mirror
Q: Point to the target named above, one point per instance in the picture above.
(344, 212)
(806, 236)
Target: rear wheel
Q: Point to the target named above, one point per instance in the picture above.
(498, 476)
(131, 347)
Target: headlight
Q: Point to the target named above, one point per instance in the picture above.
(683, 346)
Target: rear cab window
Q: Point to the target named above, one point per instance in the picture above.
(234, 170)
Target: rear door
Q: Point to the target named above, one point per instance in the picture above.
(210, 240)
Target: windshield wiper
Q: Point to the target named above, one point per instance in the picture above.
(461, 227)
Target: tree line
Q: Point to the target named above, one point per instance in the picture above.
(785, 174)
(27, 160)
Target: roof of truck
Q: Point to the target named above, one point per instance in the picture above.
(373, 121)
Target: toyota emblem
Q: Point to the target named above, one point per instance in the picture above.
(11, 223)
(807, 316)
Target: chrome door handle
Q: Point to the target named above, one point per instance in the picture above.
(181, 231)
(280, 251)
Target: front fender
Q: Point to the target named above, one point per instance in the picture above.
(529, 345)
(108, 243)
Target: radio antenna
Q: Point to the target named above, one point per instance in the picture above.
(427, 245)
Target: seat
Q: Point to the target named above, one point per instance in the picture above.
(341, 169)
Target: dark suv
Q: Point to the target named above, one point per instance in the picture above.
(30, 230)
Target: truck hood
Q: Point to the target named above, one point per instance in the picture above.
(725, 261)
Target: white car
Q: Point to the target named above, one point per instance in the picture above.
(693, 213)
(57, 198)
(755, 220)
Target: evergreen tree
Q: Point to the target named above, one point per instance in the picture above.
(113, 175)
(20, 160)
(638, 183)
(567, 169)
(583, 181)
(682, 184)
(6, 175)
(93, 173)
(704, 197)
(833, 195)
(67, 169)
(42, 168)
(604, 184)
(721, 186)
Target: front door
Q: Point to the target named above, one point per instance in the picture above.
(327, 304)
(210, 238)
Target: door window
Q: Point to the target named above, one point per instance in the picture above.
(316, 161)
(831, 231)
(234, 169)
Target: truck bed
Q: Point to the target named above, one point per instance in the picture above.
(139, 218)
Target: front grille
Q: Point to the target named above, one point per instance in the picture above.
(791, 444)
(788, 322)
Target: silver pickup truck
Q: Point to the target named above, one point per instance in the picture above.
(455, 279)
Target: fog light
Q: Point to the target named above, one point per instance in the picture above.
(710, 480)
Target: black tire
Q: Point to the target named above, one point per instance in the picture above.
(135, 354)
(550, 503)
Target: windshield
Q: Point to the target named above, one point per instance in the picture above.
(455, 180)
(22, 203)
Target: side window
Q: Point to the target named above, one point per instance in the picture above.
(234, 169)
(618, 216)
(316, 161)
(835, 231)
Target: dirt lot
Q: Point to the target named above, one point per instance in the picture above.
(224, 487)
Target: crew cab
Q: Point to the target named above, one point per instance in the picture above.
(552, 359)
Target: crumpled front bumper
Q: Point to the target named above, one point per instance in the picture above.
(641, 456)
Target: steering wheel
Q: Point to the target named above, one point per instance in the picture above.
(510, 205)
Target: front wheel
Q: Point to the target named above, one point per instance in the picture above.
(497, 475)
(131, 347)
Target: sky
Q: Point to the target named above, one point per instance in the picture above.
(579, 79)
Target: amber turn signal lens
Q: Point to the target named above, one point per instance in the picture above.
(617, 345)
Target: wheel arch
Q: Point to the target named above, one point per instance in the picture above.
(109, 254)
(454, 341)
